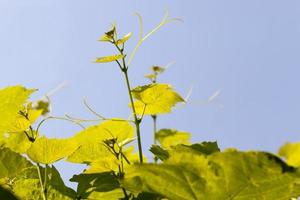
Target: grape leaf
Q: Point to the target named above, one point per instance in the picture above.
(291, 152)
(47, 151)
(109, 58)
(98, 186)
(110, 35)
(124, 39)
(17, 142)
(172, 137)
(155, 99)
(12, 100)
(159, 152)
(111, 129)
(221, 175)
(11, 163)
(27, 185)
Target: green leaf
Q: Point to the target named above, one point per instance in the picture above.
(27, 185)
(44, 106)
(124, 39)
(159, 152)
(98, 186)
(47, 151)
(221, 175)
(109, 58)
(6, 194)
(205, 148)
(172, 137)
(291, 152)
(11, 163)
(12, 100)
(155, 99)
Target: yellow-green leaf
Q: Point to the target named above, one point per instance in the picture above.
(89, 152)
(291, 152)
(124, 39)
(12, 100)
(109, 58)
(47, 151)
(155, 99)
(110, 35)
(111, 129)
(172, 137)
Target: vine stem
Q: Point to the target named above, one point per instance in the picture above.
(136, 120)
(41, 182)
(154, 118)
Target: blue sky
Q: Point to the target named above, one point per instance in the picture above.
(248, 50)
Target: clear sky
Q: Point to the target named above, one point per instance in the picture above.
(248, 50)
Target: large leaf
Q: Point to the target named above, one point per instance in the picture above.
(111, 129)
(93, 150)
(12, 100)
(12, 163)
(155, 99)
(291, 152)
(47, 151)
(27, 185)
(172, 137)
(226, 175)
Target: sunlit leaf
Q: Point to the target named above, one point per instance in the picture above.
(111, 129)
(12, 100)
(124, 39)
(172, 137)
(109, 58)
(291, 152)
(226, 175)
(27, 185)
(109, 36)
(47, 151)
(158, 99)
(89, 152)
(18, 142)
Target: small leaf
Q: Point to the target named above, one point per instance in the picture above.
(172, 137)
(124, 39)
(109, 58)
(158, 99)
(110, 35)
(47, 151)
(157, 69)
(159, 152)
